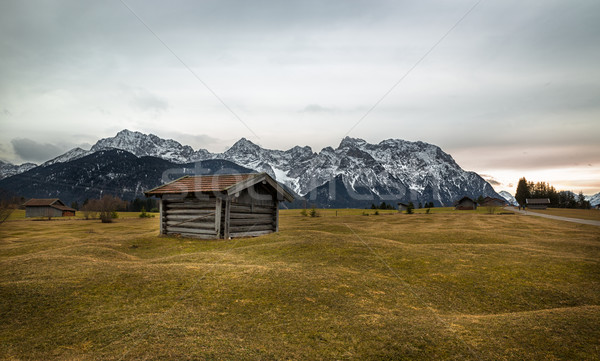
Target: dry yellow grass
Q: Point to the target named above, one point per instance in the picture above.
(591, 214)
(423, 286)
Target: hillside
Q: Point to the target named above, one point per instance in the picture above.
(114, 171)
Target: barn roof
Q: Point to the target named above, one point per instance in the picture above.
(464, 199)
(225, 183)
(48, 202)
(537, 201)
(42, 202)
(493, 200)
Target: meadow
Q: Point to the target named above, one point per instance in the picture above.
(445, 285)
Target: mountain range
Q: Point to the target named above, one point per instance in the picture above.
(355, 174)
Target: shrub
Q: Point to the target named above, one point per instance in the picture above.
(491, 209)
(376, 213)
(410, 208)
(106, 206)
(313, 212)
(144, 214)
(304, 213)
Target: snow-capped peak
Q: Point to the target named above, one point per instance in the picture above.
(8, 169)
(509, 197)
(351, 142)
(403, 170)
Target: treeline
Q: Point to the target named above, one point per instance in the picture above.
(108, 206)
(384, 205)
(136, 205)
(558, 199)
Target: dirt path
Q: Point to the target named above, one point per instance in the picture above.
(558, 218)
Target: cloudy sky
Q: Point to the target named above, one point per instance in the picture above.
(508, 88)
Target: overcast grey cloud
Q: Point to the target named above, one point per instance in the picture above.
(30, 150)
(512, 76)
(316, 108)
(146, 101)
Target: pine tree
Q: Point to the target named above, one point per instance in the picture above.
(522, 191)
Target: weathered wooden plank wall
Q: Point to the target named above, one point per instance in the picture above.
(42, 212)
(251, 212)
(190, 217)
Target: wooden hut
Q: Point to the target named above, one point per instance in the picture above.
(465, 204)
(402, 207)
(47, 207)
(537, 203)
(493, 202)
(220, 206)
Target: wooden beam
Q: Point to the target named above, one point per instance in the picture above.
(195, 235)
(276, 216)
(161, 214)
(226, 216)
(250, 222)
(189, 217)
(191, 224)
(252, 228)
(191, 230)
(218, 206)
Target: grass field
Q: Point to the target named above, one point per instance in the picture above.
(591, 214)
(425, 286)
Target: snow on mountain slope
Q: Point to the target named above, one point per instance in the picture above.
(8, 169)
(140, 145)
(392, 170)
(595, 199)
(150, 145)
(509, 198)
(72, 154)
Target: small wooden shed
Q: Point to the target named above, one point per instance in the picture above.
(465, 204)
(220, 206)
(402, 207)
(537, 203)
(47, 207)
(493, 202)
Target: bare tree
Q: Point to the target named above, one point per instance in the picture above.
(8, 204)
(90, 209)
(6, 209)
(108, 205)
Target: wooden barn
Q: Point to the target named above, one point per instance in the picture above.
(220, 206)
(47, 207)
(465, 204)
(493, 202)
(537, 203)
(402, 207)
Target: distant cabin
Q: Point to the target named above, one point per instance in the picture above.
(465, 204)
(402, 207)
(47, 207)
(220, 206)
(537, 203)
(493, 202)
